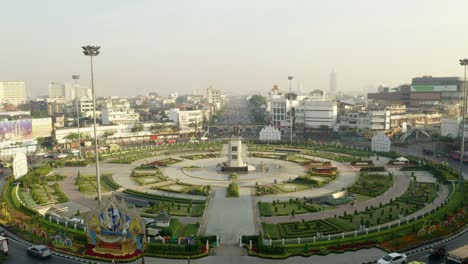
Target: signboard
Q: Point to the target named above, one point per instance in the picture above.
(20, 165)
(433, 88)
(15, 130)
(42, 127)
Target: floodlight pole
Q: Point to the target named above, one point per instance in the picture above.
(464, 63)
(92, 51)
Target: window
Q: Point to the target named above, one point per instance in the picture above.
(234, 157)
(234, 148)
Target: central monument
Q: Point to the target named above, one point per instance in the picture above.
(234, 161)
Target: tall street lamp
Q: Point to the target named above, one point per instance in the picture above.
(463, 62)
(290, 109)
(92, 51)
(75, 79)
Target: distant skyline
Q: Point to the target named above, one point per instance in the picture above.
(236, 46)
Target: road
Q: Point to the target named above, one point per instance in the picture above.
(455, 243)
(416, 150)
(235, 112)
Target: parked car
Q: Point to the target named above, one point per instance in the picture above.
(393, 258)
(40, 251)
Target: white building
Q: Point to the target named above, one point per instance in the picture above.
(379, 120)
(380, 142)
(317, 114)
(13, 93)
(214, 97)
(57, 90)
(117, 111)
(85, 106)
(186, 119)
(370, 121)
(270, 133)
(450, 127)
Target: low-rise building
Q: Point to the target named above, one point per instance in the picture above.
(117, 111)
(188, 121)
(315, 114)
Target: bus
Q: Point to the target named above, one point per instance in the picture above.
(458, 255)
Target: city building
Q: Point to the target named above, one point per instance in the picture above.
(188, 121)
(117, 111)
(281, 107)
(57, 90)
(397, 95)
(85, 106)
(366, 122)
(430, 91)
(13, 93)
(451, 127)
(213, 96)
(311, 114)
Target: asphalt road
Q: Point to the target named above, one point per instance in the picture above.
(17, 255)
(424, 255)
(416, 150)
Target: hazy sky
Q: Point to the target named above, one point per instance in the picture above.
(236, 46)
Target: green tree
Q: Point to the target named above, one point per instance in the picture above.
(137, 128)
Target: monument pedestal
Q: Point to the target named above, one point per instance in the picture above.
(235, 162)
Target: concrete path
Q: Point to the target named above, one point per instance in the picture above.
(230, 217)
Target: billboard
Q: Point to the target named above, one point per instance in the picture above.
(15, 130)
(42, 127)
(433, 88)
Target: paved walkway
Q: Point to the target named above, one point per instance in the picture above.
(230, 217)
(401, 184)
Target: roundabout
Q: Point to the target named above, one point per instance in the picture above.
(296, 199)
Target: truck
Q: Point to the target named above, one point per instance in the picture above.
(458, 255)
